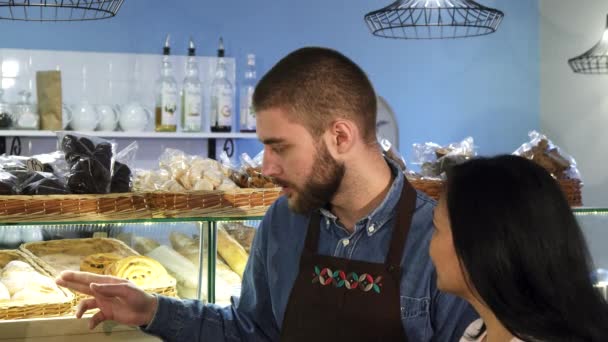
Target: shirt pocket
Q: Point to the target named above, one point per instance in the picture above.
(415, 316)
(414, 307)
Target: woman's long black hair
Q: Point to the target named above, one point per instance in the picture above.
(523, 250)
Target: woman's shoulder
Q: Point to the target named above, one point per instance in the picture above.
(473, 330)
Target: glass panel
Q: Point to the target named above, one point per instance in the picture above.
(152, 220)
(174, 244)
(234, 239)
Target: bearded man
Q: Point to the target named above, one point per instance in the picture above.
(341, 256)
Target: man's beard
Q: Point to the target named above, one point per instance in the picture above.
(321, 185)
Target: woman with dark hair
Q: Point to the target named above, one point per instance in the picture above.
(506, 241)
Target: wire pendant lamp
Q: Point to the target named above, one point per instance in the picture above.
(433, 19)
(58, 10)
(594, 61)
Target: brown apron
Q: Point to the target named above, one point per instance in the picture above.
(337, 299)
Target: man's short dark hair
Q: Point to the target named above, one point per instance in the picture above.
(316, 86)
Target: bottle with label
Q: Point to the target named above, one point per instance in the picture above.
(166, 95)
(222, 96)
(247, 112)
(191, 94)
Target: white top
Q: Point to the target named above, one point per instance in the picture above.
(473, 329)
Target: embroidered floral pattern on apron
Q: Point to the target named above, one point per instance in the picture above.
(364, 282)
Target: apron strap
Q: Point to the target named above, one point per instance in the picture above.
(405, 212)
(312, 235)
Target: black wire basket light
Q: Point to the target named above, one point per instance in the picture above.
(594, 61)
(433, 19)
(58, 10)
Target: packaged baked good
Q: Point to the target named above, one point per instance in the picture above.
(435, 160)
(43, 183)
(8, 183)
(180, 172)
(551, 157)
(91, 162)
(249, 174)
(122, 177)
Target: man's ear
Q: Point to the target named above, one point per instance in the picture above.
(343, 135)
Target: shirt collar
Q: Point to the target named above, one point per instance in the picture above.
(383, 212)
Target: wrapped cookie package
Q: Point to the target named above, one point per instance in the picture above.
(91, 163)
(180, 172)
(249, 173)
(551, 157)
(435, 160)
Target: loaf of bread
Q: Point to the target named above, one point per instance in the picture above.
(16, 266)
(184, 271)
(4, 294)
(241, 233)
(144, 245)
(231, 251)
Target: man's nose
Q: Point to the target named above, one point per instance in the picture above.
(270, 165)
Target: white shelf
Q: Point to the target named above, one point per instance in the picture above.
(134, 135)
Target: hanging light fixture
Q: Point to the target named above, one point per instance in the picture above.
(58, 10)
(594, 61)
(433, 19)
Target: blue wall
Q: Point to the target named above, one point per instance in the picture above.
(444, 90)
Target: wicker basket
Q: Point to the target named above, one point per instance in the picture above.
(571, 188)
(78, 249)
(58, 208)
(12, 310)
(241, 202)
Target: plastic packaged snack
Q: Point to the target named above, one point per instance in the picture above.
(435, 160)
(91, 163)
(548, 155)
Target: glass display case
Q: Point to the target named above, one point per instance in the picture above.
(206, 256)
(594, 222)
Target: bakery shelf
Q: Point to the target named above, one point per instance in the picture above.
(135, 135)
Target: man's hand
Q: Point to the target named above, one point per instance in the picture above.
(117, 299)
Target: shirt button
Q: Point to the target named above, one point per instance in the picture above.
(371, 228)
(345, 242)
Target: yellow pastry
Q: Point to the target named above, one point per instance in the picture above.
(141, 270)
(231, 251)
(97, 263)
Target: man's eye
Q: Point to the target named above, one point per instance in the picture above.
(278, 148)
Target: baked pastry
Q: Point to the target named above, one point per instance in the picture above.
(89, 176)
(177, 265)
(121, 179)
(16, 281)
(144, 245)
(16, 266)
(242, 233)
(231, 251)
(186, 246)
(141, 270)
(4, 294)
(40, 289)
(226, 185)
(50, 185)
(202, 184)
(97, 263)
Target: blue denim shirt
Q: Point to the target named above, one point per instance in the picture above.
(426, 313)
